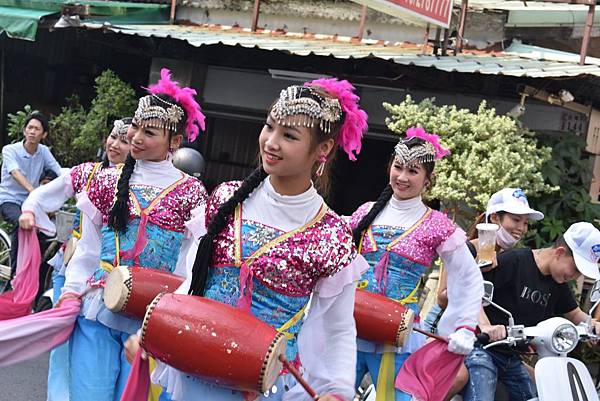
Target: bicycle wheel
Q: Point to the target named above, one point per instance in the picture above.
(5, 269)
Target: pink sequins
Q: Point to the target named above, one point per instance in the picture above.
(171, 212)
(420, 245)
(294, 265)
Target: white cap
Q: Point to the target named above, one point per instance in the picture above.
(512, 200)
(584, 241)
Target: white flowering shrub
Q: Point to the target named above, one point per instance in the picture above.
(489, 152)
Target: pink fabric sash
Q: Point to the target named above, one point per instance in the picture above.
(32, 335)
(138, 383)
(17, 303)
(142, 240)
(246, 284)
(428, 373)
(381, 272)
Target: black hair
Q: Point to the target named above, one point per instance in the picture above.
(119, 214)
(41, 118)
(217, 223)
(387, 193)
(560, 241)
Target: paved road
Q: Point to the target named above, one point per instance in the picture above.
(25, 381)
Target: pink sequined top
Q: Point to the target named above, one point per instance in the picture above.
(171, 212)
(294, 265)
(420, 244)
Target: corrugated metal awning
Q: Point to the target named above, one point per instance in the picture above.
(499, 63)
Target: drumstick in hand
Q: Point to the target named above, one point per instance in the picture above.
(428, 334)
(298, 377)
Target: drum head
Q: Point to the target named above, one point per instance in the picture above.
(405, 327)
(272, 365)
(117, 289)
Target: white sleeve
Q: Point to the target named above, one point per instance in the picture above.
(465, 289)
(86, 258)
(49, 198)
(194, 230)
(327, 346)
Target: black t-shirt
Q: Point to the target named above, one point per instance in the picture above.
(522, 289)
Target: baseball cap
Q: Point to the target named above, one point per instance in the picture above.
(584, 241)
(512, 200)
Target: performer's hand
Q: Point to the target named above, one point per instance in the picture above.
(67, 295)
(27, 220)
(496, 332)
(132, 345)
(461, 341)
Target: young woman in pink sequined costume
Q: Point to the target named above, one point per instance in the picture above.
(146, 213)
(400, 237)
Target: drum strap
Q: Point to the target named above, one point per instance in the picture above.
(142, 238)
(246, 273)
(380, 270)
(409, 299)
(295, 319)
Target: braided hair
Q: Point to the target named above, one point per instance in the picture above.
(119, 214)
(386, 194)
(217, 223)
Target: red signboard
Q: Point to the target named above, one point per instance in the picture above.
(436, 12)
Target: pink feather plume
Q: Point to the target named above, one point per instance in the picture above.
(418, 132)
(355, 119)
(185, 98)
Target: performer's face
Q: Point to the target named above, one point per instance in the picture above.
(407, 181)
(151, 143)
(117, 148)
(287, 149)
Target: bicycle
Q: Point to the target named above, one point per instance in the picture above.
(5, 260)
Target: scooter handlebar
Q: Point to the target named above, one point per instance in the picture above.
(483, 338)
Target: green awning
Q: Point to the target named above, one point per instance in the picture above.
(21, 23)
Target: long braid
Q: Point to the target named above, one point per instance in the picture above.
(105, 161)
(119, 214)
(367, 220)
(217, 223)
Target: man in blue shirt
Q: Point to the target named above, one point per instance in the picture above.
(23, 164)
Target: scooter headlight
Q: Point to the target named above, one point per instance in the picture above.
(565, 338)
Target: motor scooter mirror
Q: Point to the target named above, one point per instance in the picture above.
(488, 292)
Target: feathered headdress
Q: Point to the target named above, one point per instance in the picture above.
(355, 119)
(171, 114)
(431, 149)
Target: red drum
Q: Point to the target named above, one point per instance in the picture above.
(129, 290)
(381, 319)
(213, 341)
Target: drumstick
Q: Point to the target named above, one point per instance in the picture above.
(428, 334)
(298, 377)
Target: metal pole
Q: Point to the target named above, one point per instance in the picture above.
(445, 42)
(425, 40)
(438, 35)
(461, 26)
(585, 43)
(173, 8)
(363, 22)
(255, 14)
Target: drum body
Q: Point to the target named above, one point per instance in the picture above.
(129, 290)
(213, 341)
(381, 319)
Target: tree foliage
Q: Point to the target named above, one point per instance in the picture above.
(489, 152)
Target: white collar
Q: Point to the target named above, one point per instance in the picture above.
(290, 200)
(405, 205)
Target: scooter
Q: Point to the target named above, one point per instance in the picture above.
(557, 376)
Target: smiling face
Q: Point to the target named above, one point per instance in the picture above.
(408, 181)
(151, 143)
(117, 147)
(287, 149)
(515, 224)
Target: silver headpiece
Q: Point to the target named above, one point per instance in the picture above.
(423, 153)
(168, 114)
(306, 101)
(120, 127)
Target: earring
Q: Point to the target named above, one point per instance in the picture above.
(321, 168)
